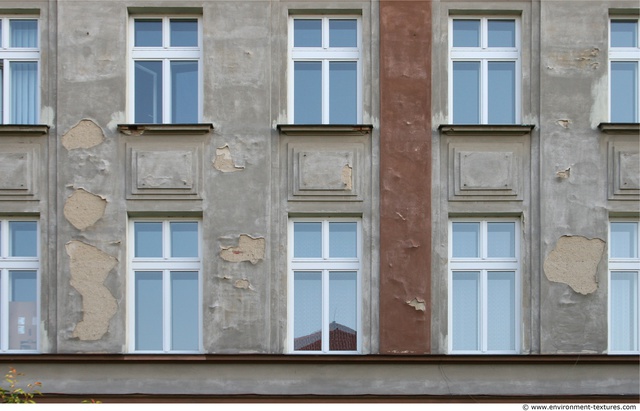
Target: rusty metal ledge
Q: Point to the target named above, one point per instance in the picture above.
(11, 130)
(486, 129)
(325, 129)
(164, 129)
(620, 128)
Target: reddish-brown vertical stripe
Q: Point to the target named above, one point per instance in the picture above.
(405, 175)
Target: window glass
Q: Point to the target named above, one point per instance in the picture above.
(148, 310)
(184, 91)
(184, 239)
(148, 33)
(466, 92)
(466, 240)
(624, 33)
(148, 91)
(502, 33)
(502, 92)
(624, 311)
(466, 310)
(307, 240)
(624, 91)
(184, 311)
(307, 327)
(23, 316)
(307, 33)
(343, 33)
(24, 33)
(624, 240)
(343, 240)
(184, 33)
(343, 93)
(148, 239)
(24, 92)
(501, 240)
(501, 308)
(307, 86)
(23, 241)
(343, 311)
(466, 33)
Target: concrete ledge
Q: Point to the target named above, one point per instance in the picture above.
(325, 129)
(496, 130)
(164, 129)
(620, 128)
(12, 130)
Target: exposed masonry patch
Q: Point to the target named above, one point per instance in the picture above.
(243, 284)
(574, 262)
(85, 134)
(347, 179)
(83, 209)
(89, 269)
(564, 123)
(418, 304)
(224, 162)
(566, 173)
(248, 249)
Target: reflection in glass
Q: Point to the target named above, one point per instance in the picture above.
(502, 33)
(23, 33)
(307, 88)
(23, 314)
(343, 100)
(147, 33)
(624, 33)
(24, 92)
(148, 92)
(624, 311)
(184, 311)
(466, 311)
(624, 237)
(148, 310)
(343, 240)
(501, 240)
(502, 92)
(184, 91)
(624, 91)
(184, 33)
(307, 307)
(343, 313)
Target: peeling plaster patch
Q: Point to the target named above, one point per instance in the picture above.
(564, 123)
(564, 60)
(224, 162)
(83, 209)
(85, 134)
(243, 284)
(347, 177)
(566, 173)
(248, 249)
(89, 269)
(574, 262)
(418, 304)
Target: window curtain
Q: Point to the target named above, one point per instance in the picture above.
(24, 92)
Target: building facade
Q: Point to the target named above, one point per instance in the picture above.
(432, 200)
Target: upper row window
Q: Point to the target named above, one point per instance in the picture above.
(325, 60)
(624, 59)
(485, 64)
(19, 66)
(166, 69)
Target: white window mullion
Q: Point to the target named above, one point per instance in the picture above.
(4, 306)
(325, 311)
(483, 297)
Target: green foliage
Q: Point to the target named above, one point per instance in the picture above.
(14, 394)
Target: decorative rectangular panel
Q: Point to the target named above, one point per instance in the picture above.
(18, 169)
(624, 170)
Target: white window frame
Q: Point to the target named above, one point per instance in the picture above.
(10, 55)
(625, 265)
(484, 265)
(7, 264)
(325, 54)
(166, 264)
(485, 54)
(166, 54)
(629, 54)
(325, 265)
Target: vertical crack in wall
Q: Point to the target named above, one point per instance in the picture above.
(85, 134)
(83, 209)
(224, 162)
(574, 261)
(89, 268)
(248, 249)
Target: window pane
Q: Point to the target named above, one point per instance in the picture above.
(307, 240)
(466, 311)
(624, 311)
(1, 88)
(466, 92)
(624, 237)
(148, 310)
(624, 91)
(624, 33)
(184, 91)
(466, 240)
(343, 33)
(307, 307)
(148, 91)
(307, 33)
(184, 239)
(466, 33)
(502, 33)
(343, 309)
(343, 90)
(23, 33)
(502, 92)
(501, 311)
(23, 239)
(184, 33)
(148, 33)
(343, 239)
(307, 92)
(185, 320)
(23, 315)
(501, 240)
(148, 239)
(24, 92)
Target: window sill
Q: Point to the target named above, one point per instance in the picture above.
(325, 129)
(620, 128)
(10, 130)
(164, 129)
(486, 129)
